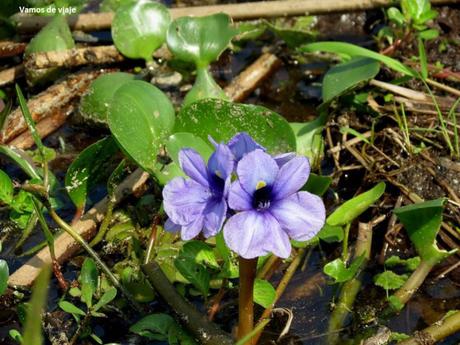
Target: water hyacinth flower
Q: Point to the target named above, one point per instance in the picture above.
(271, 209)
(199, 203)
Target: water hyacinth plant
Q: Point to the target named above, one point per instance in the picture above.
(252, 197)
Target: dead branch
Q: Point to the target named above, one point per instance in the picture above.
(9, 75)
(247, 81)
(242, 11)
(46, 102)
(74, 57)
(9, 48)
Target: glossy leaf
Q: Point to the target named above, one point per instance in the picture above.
(33, 326)
(88, 168)
(331, 234)
(6, 188)
(264, 293)
(22, 160)
(4, 275)
(352, 208)
(317, 184)
(88, 278)
(139, 28)
(179, 141)
(140, 118)
(354, 50)
(222, 120)
(348, 75)
(422, 222)
(200, 39)
(389, 280)
(106, 298)
(340, 272)
(55, 36)
(309, 141)
(196, 274)
(71, 308)
(94, 104)
(200, 252)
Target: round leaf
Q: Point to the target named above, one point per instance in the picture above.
(264, 293)
(222, 120)
(140, 118)
(139, 28)
(200, 39)
(87, 169)
(94, 104)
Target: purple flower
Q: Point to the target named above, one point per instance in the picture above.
(271, 208)
(199, 203)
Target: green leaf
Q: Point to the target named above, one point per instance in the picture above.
(347, 76)
(44, 225)
(6, 188)
(88, 169)
(422, 222)
(196, 274)
(33, 326)
(264, 293)
(293, 34)
(200, 252)
(179, 141)
(429, 34)
(340, 272)
(94, 104)
(88, 278)
(222, 120)
(15, 335)
(354, 50)
(139, 28)
(317, 184)
(396, 16)
(390, 280)
(22, 160)
(4, 275)
(309, 141)
(200, 39)
(410, 264)
(106, 298)
(153, 326)
(55, 36)
(140, 118)
(331, 234)
(352, 208)
(71, 308)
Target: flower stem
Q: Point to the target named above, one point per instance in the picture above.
(248, 270)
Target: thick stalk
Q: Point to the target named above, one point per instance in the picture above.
(412, 284)
(436, 332)
(207, 332)
(248, 270)
(351, 288)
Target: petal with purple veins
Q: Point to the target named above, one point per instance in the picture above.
(256, 170)
(252, 234)
(184, 200)
(241, 144)
(193, 166)
(291, 177)
(221, 162)
(238, 198)
(192, 230)
(302, 215)
(214, 217)
(284, 158)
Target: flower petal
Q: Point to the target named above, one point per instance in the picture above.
(291, 177)
(170, 226)
(252, 234)
(238, 198)
(193, 229)
(242, 143)
(302, 215)
(284, 158)
(193, 165)
(255, 168)
(221, 162)
(214, 217)
(184, 200)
